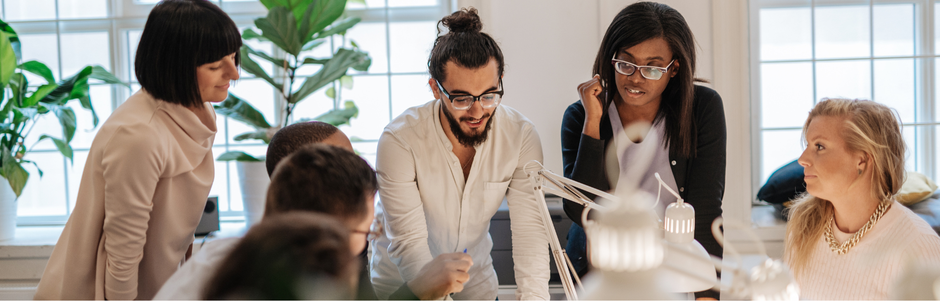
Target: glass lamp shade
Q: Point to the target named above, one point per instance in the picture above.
(625, 238)
(699, 265)
(679, 223)
(772, 280)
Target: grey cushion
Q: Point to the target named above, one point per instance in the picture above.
(929, 210)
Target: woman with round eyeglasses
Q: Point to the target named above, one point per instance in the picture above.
(645, 70)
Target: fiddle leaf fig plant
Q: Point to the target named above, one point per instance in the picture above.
(23, 104)
(294, 27)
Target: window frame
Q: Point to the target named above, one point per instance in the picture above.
(924, 56)
(124, 16)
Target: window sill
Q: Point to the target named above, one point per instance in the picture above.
(38, 241)
(768, 228)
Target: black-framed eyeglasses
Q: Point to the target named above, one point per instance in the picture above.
(464, 102)
(648, 72)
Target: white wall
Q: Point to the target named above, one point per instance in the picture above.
(550, 46)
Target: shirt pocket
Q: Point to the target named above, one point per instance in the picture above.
(494, 192)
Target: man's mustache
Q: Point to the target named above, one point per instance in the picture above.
(468, 119)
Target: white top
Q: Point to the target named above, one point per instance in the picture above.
(869, 270)
(189, 282)
(428, 209)
(629, 157)
(142, 193)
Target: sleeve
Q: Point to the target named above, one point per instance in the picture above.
(190, 281)
(582, 158)
(706, 178)
(529, 243)
(131, 171)
(406, 225)
(403, 293)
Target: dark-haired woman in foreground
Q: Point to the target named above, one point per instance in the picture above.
(150, 166)
(288, 256)
(645, 72)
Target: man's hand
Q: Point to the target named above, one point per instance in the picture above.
(444, 275)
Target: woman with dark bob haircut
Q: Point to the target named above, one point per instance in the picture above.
(150, 166)
(645, 73)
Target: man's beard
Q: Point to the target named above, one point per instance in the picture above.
(464, 138)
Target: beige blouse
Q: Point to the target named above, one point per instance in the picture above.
(142, 193)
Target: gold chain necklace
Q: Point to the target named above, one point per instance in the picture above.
(845, 246)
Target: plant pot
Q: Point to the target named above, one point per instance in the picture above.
(253, 180)
(7, 211)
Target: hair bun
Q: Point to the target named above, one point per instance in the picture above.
(464, 20)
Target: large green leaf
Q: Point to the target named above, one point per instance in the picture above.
(61, 145)
(237, 156)
(339, 117)
(325, 12)
(102, 74)
(86, 103)
(322, 14)
(303, 24)
(70, 88)
(5, 112)
(279, 63)
(259, 135)
(238, 109)
(363, 65)
(38, 68)
(332, 70)
(280, 28)
(313, 44)
(313, 61)
(339, 27)
(249, 34)
(19, 84)
(289, 4)
(20, 115)
(14, 39)
(66, 118)
(40, 93)
(7, 59)
(250, 66)
(13, 171)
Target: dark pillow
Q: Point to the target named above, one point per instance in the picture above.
(783, 185)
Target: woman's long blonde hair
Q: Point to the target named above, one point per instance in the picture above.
(871, 128)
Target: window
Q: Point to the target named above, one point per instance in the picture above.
(882, 50)
(68, 34)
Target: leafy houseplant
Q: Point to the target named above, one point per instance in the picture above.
(21, 106)
(295, 26)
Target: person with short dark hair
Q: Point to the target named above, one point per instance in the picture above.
(288, 256)
(150, 166)
(322, 175)
(445, 167)
(288, 139)
(645, 74)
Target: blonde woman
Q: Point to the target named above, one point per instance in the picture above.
(847, 237)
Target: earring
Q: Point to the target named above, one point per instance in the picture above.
(859, 171)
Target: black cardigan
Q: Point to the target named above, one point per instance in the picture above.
(701, 180)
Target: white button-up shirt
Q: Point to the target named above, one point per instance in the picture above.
(427, 208)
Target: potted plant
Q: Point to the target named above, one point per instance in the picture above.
(293, 26)
(21, 106)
